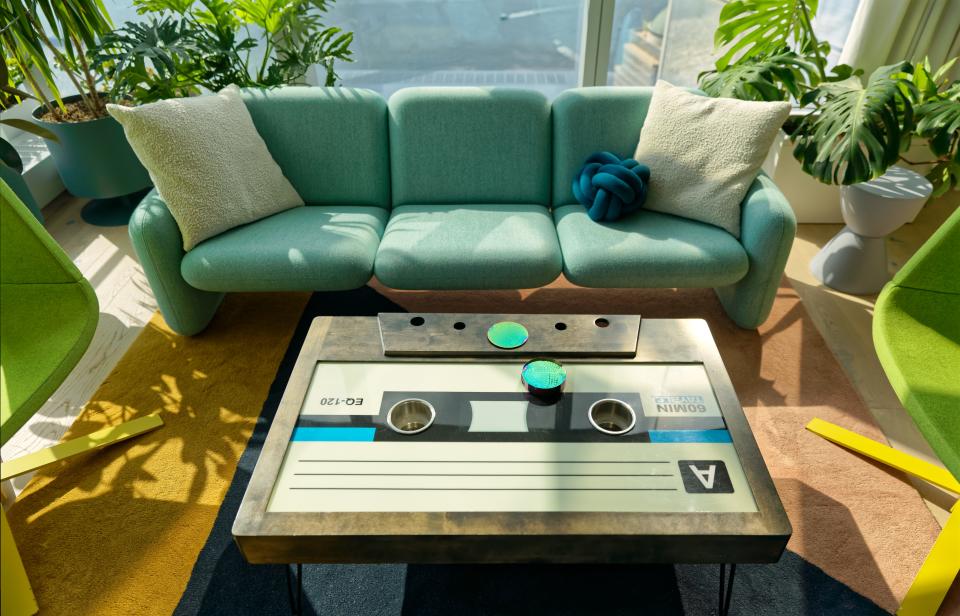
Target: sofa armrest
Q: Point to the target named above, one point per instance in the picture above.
(157, 241)
(767, 229)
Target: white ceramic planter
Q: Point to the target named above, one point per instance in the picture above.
(855, 260)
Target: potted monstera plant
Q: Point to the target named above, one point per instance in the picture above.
(184, 47)
(855, 137)
(90, 151)
(857, 131)
(769, 51)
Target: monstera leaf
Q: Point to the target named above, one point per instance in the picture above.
(761, 27)
(762, 78)
(939, 120)
(856, 133)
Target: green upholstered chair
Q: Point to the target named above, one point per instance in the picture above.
(48, 313)
(916, 331)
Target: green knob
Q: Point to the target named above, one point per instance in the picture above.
(507, 335)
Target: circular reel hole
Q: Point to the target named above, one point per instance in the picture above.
(417, 321)
(459, 325)
(612, 416)
(601, 322)
(411, 416)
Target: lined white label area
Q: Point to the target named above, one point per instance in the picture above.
(666, 390)
(458, 476)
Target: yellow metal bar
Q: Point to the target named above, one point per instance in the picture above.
(94, 440)
(937, 572)
(16, 596)
(887, 455)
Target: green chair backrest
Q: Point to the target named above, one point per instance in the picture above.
(936, 266)
(28, 255)
(48, 313)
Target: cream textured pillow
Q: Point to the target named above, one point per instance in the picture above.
(208, 162)
(704, 153)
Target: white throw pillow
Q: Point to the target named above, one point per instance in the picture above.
(704, 152)
(207, 161)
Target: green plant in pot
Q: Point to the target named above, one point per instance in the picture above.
(850, 131)
(858, 131)
(187, 46)
(90, 152)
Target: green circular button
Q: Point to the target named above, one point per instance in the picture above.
(507, 335)
(543, 374)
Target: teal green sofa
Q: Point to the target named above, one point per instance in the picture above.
(455, 188)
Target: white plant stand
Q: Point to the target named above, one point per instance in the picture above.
(855, 259)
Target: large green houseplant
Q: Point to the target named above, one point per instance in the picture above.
(189, 45)
(851, 132)
(185, 47)
(90, 151)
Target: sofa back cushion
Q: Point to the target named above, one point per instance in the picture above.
(469, 145)
(589, 120)
(331, 143)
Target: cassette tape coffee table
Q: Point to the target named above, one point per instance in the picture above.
(412, 438)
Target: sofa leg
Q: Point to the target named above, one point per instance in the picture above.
(747, 305)
(159, 246)
(190, 317)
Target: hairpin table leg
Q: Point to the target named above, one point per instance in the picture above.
(295, 589)
(726, 588)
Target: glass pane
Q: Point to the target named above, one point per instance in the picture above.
(673, 39)
(520, 43)
(832, 24)
(665, 39)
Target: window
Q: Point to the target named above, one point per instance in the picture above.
(527, 43)
(673, 39)
(522, 43)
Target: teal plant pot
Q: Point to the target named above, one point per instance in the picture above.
(93, 158)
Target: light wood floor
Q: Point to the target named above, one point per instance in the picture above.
(105, 257)
(845, 323)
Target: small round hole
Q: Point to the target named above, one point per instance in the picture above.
(612, 416)
(416, 321)
(411, 416)
(459, 325)
(601, 322)
(561, 326)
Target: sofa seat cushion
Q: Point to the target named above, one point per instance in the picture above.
(314, 248)
(469, 247)
(647, 249)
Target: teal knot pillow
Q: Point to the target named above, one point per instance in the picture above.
(610, 187)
